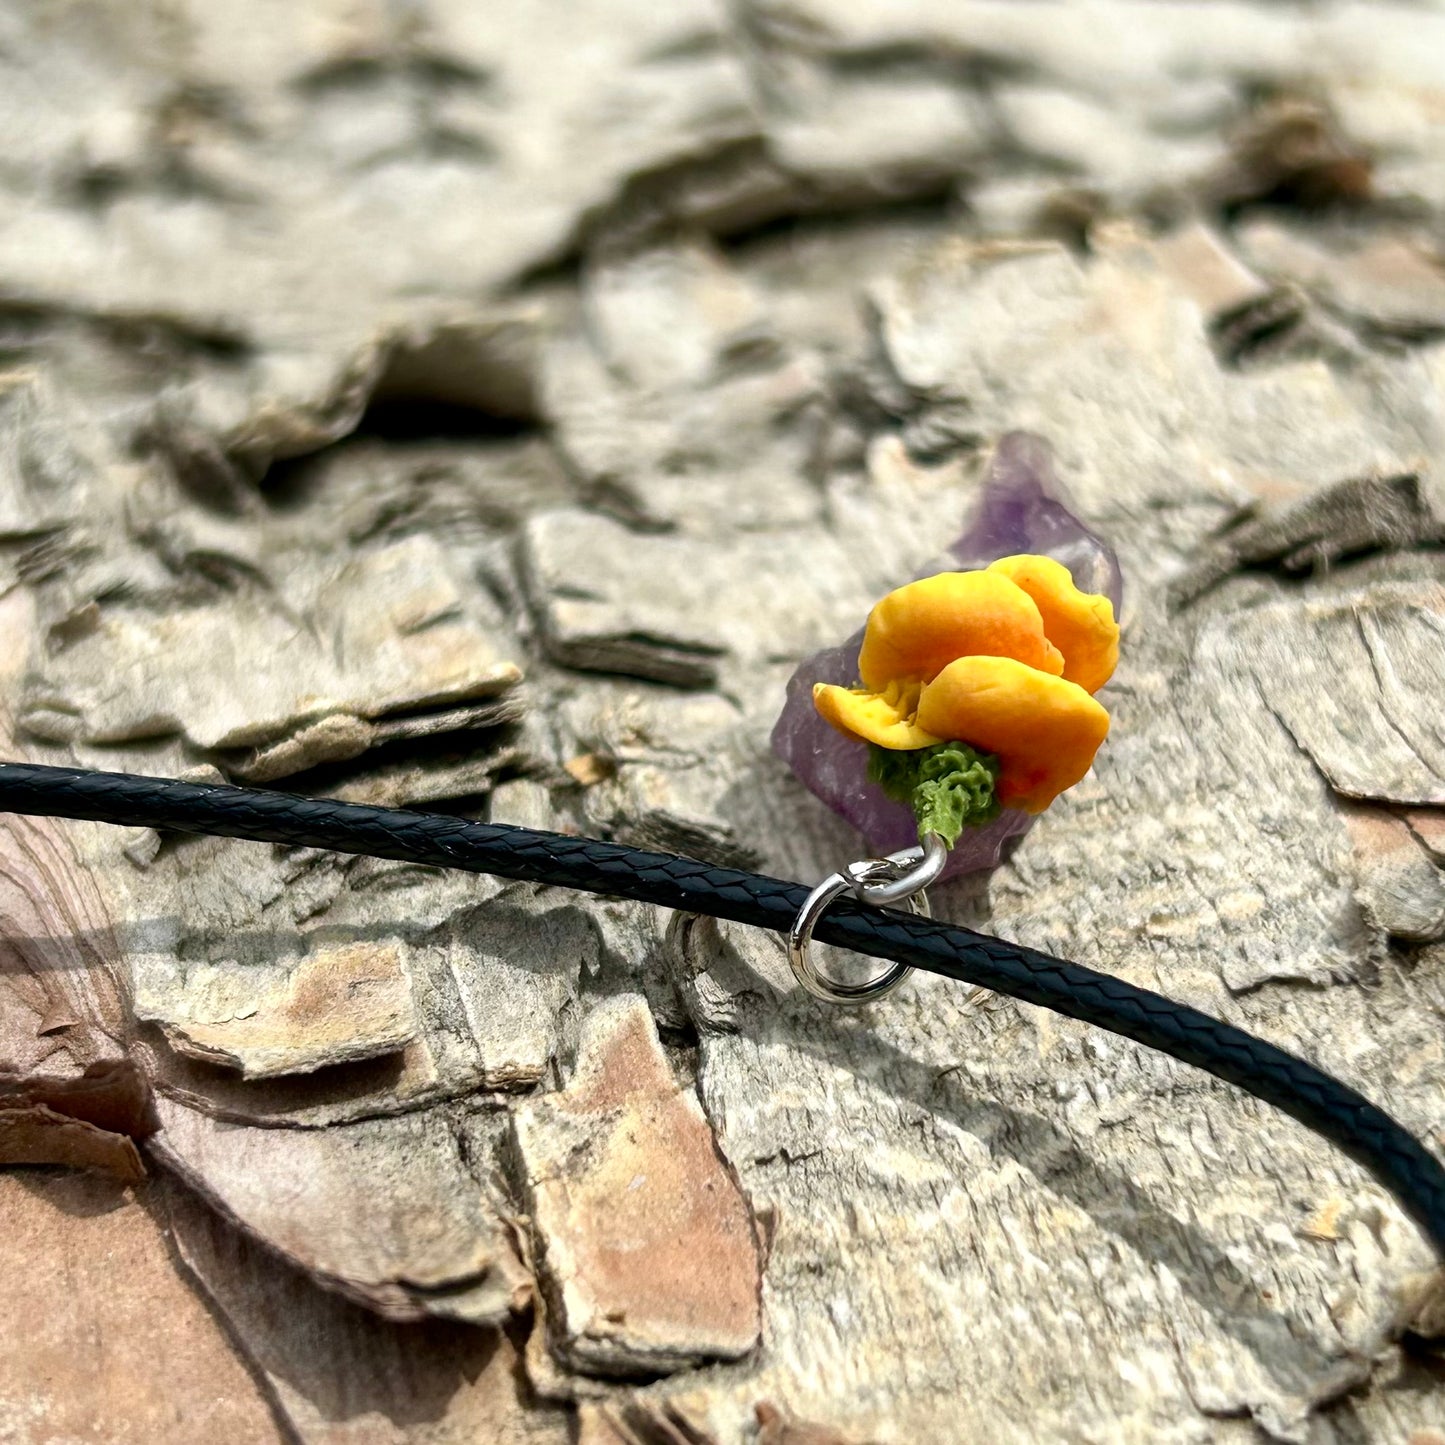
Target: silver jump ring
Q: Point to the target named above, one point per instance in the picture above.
(801, 935)
(911, 870)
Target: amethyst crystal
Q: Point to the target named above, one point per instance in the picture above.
(1021, 508)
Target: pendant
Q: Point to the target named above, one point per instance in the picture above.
(1024, 709)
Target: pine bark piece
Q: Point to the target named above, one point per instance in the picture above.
(685, 94)
(680, 398)
(110, 1094)
(337, 1004)
(63, 1019)
(1292, 150)
(639, 1421)
(1205, 269)
(644, 1420)
(723, 969)
(1400, 889)
(1388, 282)
(392, 628)
(388, 1212)
(104, 1339)
(775, 1427)
(1320, 529)
(672, 763)
(1102, 125)
(961, 1215)
(1357, 681)
(571, 576)
(61, 1003)
(610, 600)
(494, 971)
(393, 1084)
(1428, 825)
(339, 737)
(342, 1375)
(40, 1135)
(646, 1245)
(1002, 334)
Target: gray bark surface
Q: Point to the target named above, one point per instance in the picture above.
(484, 408)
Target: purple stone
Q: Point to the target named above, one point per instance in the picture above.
(1022, 507)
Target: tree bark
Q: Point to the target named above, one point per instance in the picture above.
(484, 408)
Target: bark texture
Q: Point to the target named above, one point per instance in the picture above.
(483, 408)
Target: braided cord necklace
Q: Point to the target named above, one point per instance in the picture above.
(1321, 1103)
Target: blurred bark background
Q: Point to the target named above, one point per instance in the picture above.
(482, 407)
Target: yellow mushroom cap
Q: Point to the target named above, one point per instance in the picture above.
(1044, 730)
(1005, 660)
(917, 630)
(872, 716)
(1080, 624)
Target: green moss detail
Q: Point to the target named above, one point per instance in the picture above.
(949, 786)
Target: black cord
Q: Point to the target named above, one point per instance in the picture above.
(1333, 1110)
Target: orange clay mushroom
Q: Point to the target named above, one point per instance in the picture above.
(1004, 660)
